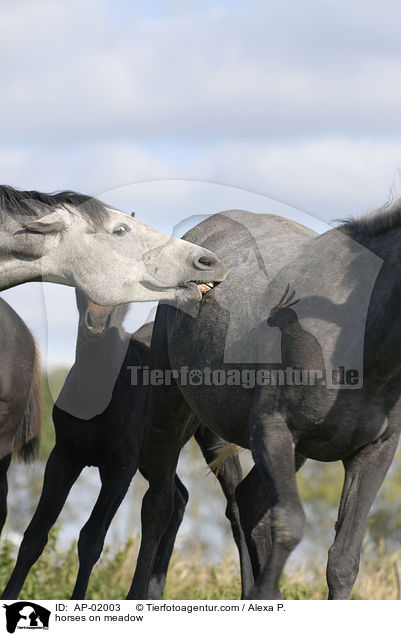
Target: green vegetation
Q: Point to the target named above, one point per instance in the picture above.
(320, 487)
(54, 574)
(55, 381)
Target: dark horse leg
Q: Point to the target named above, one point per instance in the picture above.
(159, 574)
(60, 475)
(364, 474)
(229, 475)
(4, 466)
(272, 449)
(116, 477)
(157, 511)
(161, 449)
(254, 504)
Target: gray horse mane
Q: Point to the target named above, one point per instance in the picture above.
(376, 222)
(19, 202)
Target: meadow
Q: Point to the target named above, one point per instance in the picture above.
(53, 576)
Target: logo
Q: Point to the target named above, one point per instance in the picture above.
(26, 615)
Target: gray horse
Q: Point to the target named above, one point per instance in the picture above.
(76, 240)
(309, 302)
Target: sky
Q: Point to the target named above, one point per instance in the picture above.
(175, 109)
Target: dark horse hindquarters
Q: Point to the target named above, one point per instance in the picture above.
(20, 396)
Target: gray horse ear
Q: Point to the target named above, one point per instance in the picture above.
(52, 222)
(133, 214)
(44, 226)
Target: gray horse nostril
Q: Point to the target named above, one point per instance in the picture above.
(207, 261)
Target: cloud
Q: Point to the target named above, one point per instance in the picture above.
(76, 72)
(302, 106)
(328, 177)
(91, 168)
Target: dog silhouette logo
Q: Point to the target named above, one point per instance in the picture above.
(26, 615)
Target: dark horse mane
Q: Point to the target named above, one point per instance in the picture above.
(376, 222)
(21, 202)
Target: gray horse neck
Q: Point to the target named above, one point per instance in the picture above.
(89, 386)
(15, 271)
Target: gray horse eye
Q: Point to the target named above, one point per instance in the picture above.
(121, 229)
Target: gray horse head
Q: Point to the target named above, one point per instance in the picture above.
(76, 240)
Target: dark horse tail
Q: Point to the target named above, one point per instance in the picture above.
(28, 433)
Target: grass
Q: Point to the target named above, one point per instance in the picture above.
(53, 576)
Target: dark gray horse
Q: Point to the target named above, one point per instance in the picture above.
(76, 240)
(20, 403)
(100, 419)
(348, 285)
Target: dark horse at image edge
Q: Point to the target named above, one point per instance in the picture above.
(20, 397)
